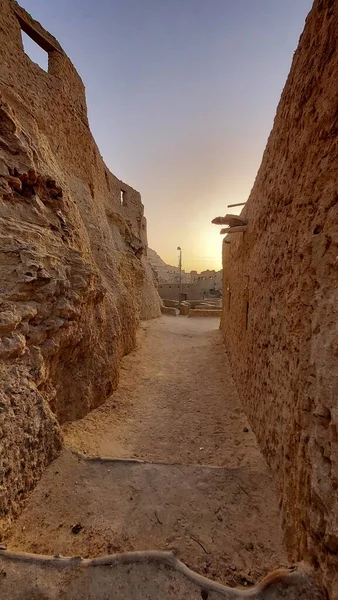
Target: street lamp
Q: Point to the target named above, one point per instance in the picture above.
(180, 275)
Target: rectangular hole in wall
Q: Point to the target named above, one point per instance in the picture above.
(247, 315)
(34, 51)
(123, 197)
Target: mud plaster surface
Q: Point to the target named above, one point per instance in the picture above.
(281, 296)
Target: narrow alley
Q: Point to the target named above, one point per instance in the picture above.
(193, 480)
(149, 451)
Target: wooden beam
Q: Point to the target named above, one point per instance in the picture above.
(235, 229)
(238, 217)
(36, 32)
(232, 220)
(239, 204)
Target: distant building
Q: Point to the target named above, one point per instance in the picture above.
(195, 286)
(212, 279)
(165, 273)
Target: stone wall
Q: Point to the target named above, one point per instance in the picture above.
(74, 279)
(281, 296)
(190, 291)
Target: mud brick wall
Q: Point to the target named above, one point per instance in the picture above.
(280, 315)
(74, 279)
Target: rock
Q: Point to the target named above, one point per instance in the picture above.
(74, 282)
(5, 189)
(331, 542)
(14, 182)
(3, 169)
(76, 528)
(32, 177)
(9, 320)
(12, 346)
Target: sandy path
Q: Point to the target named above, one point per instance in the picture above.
(206, 492)
(176, 402)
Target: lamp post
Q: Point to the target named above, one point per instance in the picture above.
(180, 275)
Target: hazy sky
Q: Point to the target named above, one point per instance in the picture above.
(181, 97)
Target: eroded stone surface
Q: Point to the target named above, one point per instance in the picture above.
(281, 295)
(74, 279)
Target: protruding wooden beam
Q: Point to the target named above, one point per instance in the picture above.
(226, 241)
(231, 220)
(235, 229)
(239, 204)
(35, 31)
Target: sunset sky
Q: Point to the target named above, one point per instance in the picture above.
(181, 97)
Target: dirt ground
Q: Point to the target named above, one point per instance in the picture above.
(176, 402)
(196, 485)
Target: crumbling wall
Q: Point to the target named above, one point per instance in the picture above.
(73, 274)
(281, 297)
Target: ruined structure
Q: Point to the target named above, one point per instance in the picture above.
(198, 290)
(168, 274)
(195, 286)
(74, 278)
(165, 273)
(281, 296)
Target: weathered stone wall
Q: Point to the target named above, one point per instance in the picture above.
(193, 291)
(281, 297)
(74, 279)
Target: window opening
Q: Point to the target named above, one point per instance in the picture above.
(34, 51)
(123, 197)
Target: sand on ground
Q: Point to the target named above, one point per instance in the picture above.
(204, 490)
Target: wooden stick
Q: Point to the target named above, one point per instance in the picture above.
(239, 204)
(232, 220)
(236, 229)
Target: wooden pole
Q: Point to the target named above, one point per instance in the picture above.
(236, 229)
(231, 220)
